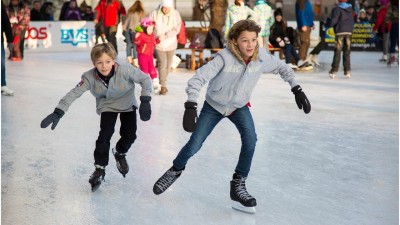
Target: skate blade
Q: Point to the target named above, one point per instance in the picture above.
(96, 186)
(239, 207)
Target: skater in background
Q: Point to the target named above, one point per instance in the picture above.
(113, 85)
(392, 16)
(265, 19)
(383, 29)
(134, 16)
(342, 22)
(305, 22)
(7, 32)
(145, 44)
(237, 11)
(19, 15)
(280, 39)
(228, 95)
(168, 24)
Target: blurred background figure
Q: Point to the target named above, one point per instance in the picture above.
(265, 19)
(5, 31)
(88, 14)
(36, 15)
(47, 11)
(135, 14)
(73, 12)
(19, 15)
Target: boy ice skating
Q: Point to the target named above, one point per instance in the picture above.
(232, 76)
(113, 85)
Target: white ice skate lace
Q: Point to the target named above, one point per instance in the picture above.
(167, 179)
(241, 190)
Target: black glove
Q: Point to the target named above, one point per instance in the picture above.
(52, 118)
(301, 99)
(190, 116)
(145, 108)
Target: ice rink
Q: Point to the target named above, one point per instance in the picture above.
(338, 165)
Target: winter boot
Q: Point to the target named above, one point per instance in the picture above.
(6, 91)
(163, 90)
(240, 195)
(122, 164)
(97, 177)
(167, 179)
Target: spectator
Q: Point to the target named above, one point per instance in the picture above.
(88, 14)
(362, 17)
(19, 15)
(393, 17)
(108, 11)
(236, 12)
(36, 15)
(134, 16)
(73, 12)
(342, 22)
(371, 14)
(305, 22)
(280, 39)
(168, 24)
(7, 32)
(383, 29)
(47, 11)
(265, 19)
(64, 8)
(145, 44)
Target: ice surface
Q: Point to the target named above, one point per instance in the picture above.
(336, 165)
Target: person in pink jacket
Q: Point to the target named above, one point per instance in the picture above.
(145, 43)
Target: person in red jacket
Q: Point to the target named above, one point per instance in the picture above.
(383, 29)
(145, 43)
(108, 11)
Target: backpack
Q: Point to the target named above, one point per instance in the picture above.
(213, 39)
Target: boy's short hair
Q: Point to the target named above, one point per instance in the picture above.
(99, 49)
(243, 25)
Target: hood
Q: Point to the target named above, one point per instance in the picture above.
(345, 6)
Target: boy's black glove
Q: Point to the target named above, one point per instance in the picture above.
(301, 99)
(190, 116)
(145, 108)
(52, 118)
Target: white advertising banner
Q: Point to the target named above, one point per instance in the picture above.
(53, 36)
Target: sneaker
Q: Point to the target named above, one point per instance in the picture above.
(6, 91)
(332, 75)
(292, 66)
(97, 176)
(122, 164)
(167, 179)
(163, 91)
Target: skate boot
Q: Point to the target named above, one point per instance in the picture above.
(391, 60)
(97, 177)
(167, 179)
(243, 201)
(6, 91)
(156, 85)
(122, 164)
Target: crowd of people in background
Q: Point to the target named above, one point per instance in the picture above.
(168, 24)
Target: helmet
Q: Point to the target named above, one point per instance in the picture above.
(147, 22)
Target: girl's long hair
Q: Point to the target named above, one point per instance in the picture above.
(137, 7)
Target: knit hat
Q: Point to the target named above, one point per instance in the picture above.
(260, 2)
(167, 3)
(278, 12)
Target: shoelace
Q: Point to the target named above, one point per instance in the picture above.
(167, 179)
(241, 190)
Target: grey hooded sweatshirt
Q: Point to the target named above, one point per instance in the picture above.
(231, 81)
(117, 96)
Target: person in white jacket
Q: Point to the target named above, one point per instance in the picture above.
(168, 25)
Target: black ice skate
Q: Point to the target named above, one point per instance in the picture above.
(96, 178)
(166, 180)
(243, 201)
(122, 164)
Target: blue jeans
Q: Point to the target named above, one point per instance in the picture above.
(3, 65)
(394, 37)
(130, 46)
(208, 119)
(289, 51)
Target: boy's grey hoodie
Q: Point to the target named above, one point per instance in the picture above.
(231, 81)
(119, 96)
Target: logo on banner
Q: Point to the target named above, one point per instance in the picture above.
(74, 36)
(36, 33)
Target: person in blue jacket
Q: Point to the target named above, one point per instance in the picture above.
(232, 76)
(305, 22)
